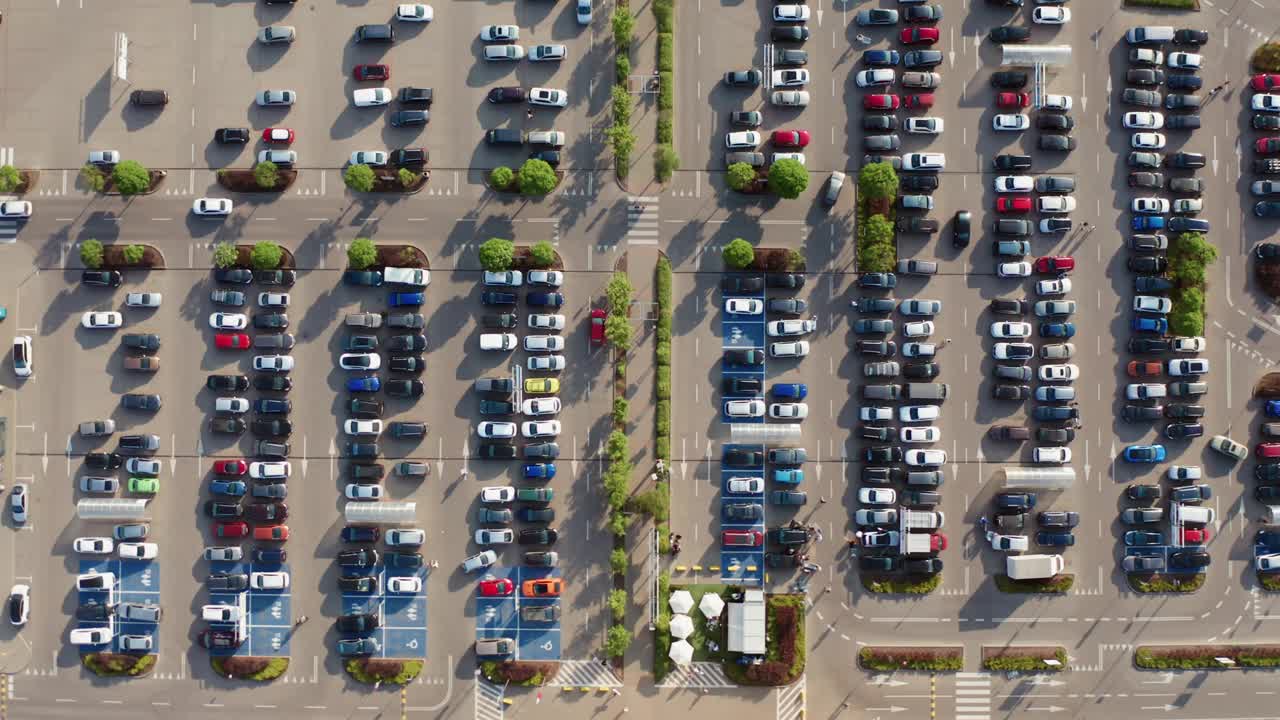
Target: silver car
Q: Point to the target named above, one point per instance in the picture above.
(790, 98)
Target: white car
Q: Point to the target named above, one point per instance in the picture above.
(414, 12)
(1058, 286)
(1055, 203)
(1059, 373)
(1188, 344)
(1013, 351)
(137, 643)
(276, 98)
(1050, 308)
(546, 278)
(547, 53)
(1146, 56)
(1147, 141)
(269, 580)
(503, 53)
(360, 361)
(1050, 15)
(1011, 122)
(1185, 61)
(1265, 103)
(788, 411)
(404, 585)
(104, 157)
(362, 427)
(790, 328)
(491, 429)
(745, 485)
(541, 406)
(918, 413)
(495, 536)
(273, 300)
(223, 553)
(790, 98)
(144, 300)
(212, 206)
(371, 97)
(550, 138)
(498, 341)
(551, 363)
(1013, 269)
(925, 125)
(926, 458)
(744, 306)
(101, 320)
(919, 349)
(544, 343)
(1188, 367)
(874, 77)
(142, 466)
(924, 161)
(799, 348)
(540, 428)
(868, 413)
(500, 494)
(1145, 391)
(583, 12)
(139, 551)
(231, 405)
(1152, 304)
(1059, 103)
(507, 278)
(269, 470)
(1189, 206)
(479, 561)
(790, 13)
(355, 491)
(499, 33)
(19, 605)
(1013, 184)
(1008, 543)
(372, 158)
(918, 307)
(273, 363)
(1054, 455)
(926, 434)
(1143, 120)
(1150, 205)
(923, 328)
(877, 496)
(790, 78)
(797, 156)
(545, 322)
(93, 545)
(743, 140)
(1005, 330)
(15, 209)
(1267, 563)
(228, 321)
(548, 97)
(1185, 473)
(744, 408)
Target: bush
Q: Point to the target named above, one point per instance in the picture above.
(375, 670)
(1055, 584)
(91, 253)
(621, 69)
(795, 261)
(1269, 581)
(666, 91)
(622, 104)
(1172, 4)
(105, 664)
(665, 133)
(10, 178)
(617, 640)
(358, 177)
(130, 178)
(662, 355)
(665, 162)
(615, 446)
(619, 293)
(133, 254)
(618, 561)
(519, 672)
(362, 253)
(225, 255)
(266, 174)
(94, 178)
(738, 254)
(1166, 583)
(656, 502)
(542, 254)
(497, 255)
(876, 250)
(619, 411)
(407, 178)
(1015, 660)
(662, 384)
(501, 177)
(932, 659)
(902, 585)
(666, 51)
(1266, 58)
(662, 418)
(622, 141)
(250, 668)
(409, 258)
(623, 25)
(618, 605)
(787, 179)
(1200, 657)
(266, 256)
(618, 524)
(662, 10)
(536, 177)
(877, 181)
(740, 176)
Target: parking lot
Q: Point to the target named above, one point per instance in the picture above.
(137, 581)
(269, 621)
(503, 617)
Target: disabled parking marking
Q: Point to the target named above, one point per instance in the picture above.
(268, 613)
(402, 618)
(137, 581)
(735, 561)
(500, 616)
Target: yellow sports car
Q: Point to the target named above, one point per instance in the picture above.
(541, 386)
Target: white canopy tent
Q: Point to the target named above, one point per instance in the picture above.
(681, 601)
(681, 652)
(746, 624)
(681, 626)
(711, 606)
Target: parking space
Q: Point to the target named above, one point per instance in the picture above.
(742, 328)
(742, 537)
(137, 581)
(268, 614)
(402, 628)
(511, 616)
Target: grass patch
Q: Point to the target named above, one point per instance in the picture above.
(663, 11)
(1055, 584)
(523, 673)
(888, 659)
(1269, 581)
(667, 91)
(666, 52)
(1266, 58)
(118, 665)
(1024, 659)
(662, 665)
(375, 670)
(1160, 583)
(784, 645)
(904, 585)
(1204, 657)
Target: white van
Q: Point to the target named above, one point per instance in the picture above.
(220, 613)
(92, 636)
(1149, 34)
(416, 277)
(1195, 514)
(95, 581)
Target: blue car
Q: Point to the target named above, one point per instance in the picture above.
(270, 555)
(1057, 330)
(1150, 324)
(790, 476)
(229, 488)
(544, 299)
(539, 471)
(405, 299)
(364, 384)
(795, 391)
(880, 58)
(1272, 408)
(1144, 453)
(1148, 222)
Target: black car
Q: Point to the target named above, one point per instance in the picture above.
(270, 321)
(95, 611)
(220, 510)
(1055, 436)
(1012, 162)
(1019, 373)
(880, 123)
(407, 343)
(922, 498)
(541, 451)
(739, 458)
(550, 157)
(1188, 36)
(1058, 519)
(274, 427)
(1185, 160)
(878, 348)
(269, 449)
(1142, 492)
(1189, 559)
(1055, 413)
(404, 388)
(493, 297)
(1267, 494)
(917, 225)
(1183, 431)
(1266, 209)
(882, 280)
(741, 284)
(227, 425)
(101, 278)
(1009, 34)
(1055, 539)
(510, 94)
(1267, 252)
(1182, 410)
(789, 281)
(1183, 81)
(231, 136)
(922, 59)
(878, 433)
(496, 451)
(362, 278)
(358, 583)
(149, 342)
(360, 343)
(1266, 122)
(1062, 123)
(786, 306)
(1148, 345)
(734, 385)
(103, 461)
(793, 33)
(1182, 101)
(365, 471)
(1006, 306)
(875, 306)
(404, 560)
(360, 534)
(880, 475)
(360, 557)
(415, 96)
(497, 407)
(272, 406)
(1142, 179)
(410, 157)
(233, 276)
(739, 356)
(883, 454)
(923, 566)
(743, 78)
(357, 623)
(922, 13)
(1060, 143)
(274, 491)
(1138, 413)
(406, 363)
(1152, 284)
(284, 278)
(1144, 77)
(407, 321)
(410, 118)
(918, 183)
(537, 536)
(139, 401)
(920, 370)
(402, 429)
(1009, 79)
(1148, 264)
(960, 228)
(1020, 501)
(227, 582)
(1266, 473)
(272, 383)
(880, 563)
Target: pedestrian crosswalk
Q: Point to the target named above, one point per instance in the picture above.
(642, 221)
(697, 675)
(584, 673)
(8, 231)
(488, 700)
(973, 696)
(791, 700)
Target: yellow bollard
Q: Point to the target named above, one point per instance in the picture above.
(507, 701)
(697, 568)
(681, 568)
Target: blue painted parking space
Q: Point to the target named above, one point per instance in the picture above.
(742, 331)
(137, 581)
(402, 617)
(741, 563)
(503, 617)
(268, 613)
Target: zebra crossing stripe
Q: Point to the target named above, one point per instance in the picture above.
(791, 700)
(642, 220)
(584, 673)
(973, 696)
(488, 700)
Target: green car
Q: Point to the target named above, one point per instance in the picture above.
(538, 495)
(147, 486)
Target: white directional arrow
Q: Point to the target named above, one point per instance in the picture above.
(819, 18)
(173, 454)
(440, 455)
(68, 455)
(1165, 679)
(951, 43)
(304, 456)
(199, 447)
(1050, 708)
(1047, 681)
(44, 456)
(1166, 708)
(891, 708)
(887, 680)
(1108, 86)
(1215, 153)
(573, 462)
(683, 464)
(333, 460)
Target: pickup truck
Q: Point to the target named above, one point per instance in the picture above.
(364, 319)
(96, 428)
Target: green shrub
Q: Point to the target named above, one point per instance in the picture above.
(666, 91)
(796, 261)
(902, 585)
(618, 561)
(619, 293)
(91, 253)
(738, 254)
(536, 177)
(655, 502)
(501, 177)
(542, 254)
(617, 331)
(622, 141)
(375, 670)
(133, 254)
(663, 447)
(130, 177)
(665, 162)
(876, 250)
(621, 69)
(1167, 583)
(266, 175)
(665, 130)
(1266, 58)
(362, 253)
(1011, 661)
(907, 658)
(497, 255)
(622, 104)
(663, 282)
(740, 176)
(663, 12)
(618, 605)
(10, 178)
(93, 178)
(623, 25)
(266, 256)
(225, 255)
(407, 178)
(618, 524)
(662, 355)
(1054, 585)
(617, 640)
(662, 418)
(666, 51)
(619, 411)
(877, 180)
(359, 177)
(662, 382)
(615, 446)
(787, 179)
(1269, 581)
(1173, 4)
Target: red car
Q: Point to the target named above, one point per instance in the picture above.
(277, 136)
(923, 101)
(1264, 83)
(919, 36)
(1054, 265)
(1013, 100)
(232, 341)
(880, 102)
(1195, 536)
(231, 529)
(598, 317)
(742, 538)
(1267, 145)
(371, 72)
(790, 138)
(496, 587)
(1013, 204)
(234, 468)
(278, 533)
(1268, 450)
(1138, 368)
